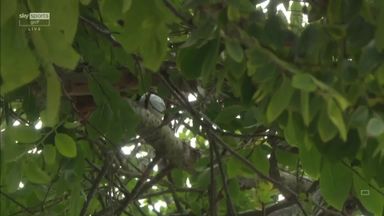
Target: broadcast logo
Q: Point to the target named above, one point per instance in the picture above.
(34, 19)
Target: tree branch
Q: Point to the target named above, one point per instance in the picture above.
(17, 203)
(269, 210)
(230, 206)
(163, 139)
(212, 186)
(120, 206)
(94, 187)
(175, 11)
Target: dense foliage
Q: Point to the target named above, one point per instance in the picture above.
(270, 108)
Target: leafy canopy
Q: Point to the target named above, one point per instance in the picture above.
(264, 100)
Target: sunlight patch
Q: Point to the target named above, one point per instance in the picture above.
(193, 142)
(16, 123)
(39, 125)
(142, 202)
(127, 150)
(191, 98)
(179, 131)
(21, 185)
(32, 151)
(141, 154)
(160, 204)
(188, 183)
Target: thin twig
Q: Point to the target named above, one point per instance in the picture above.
(212, 191)
(101, 29)
(176, 12)
(123, 204)
(50, 186)
(159, 193)
(119, 186)
(94, 187)
(209, 130)
(17, 203)
(230, 205)
(174, 195)
(51, 203)
(362, 178)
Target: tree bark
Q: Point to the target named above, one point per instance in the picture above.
(163, 139)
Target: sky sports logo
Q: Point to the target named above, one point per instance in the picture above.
(34, 19)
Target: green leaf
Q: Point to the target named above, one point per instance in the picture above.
(280, 100)
(247, 90)
(203, 179)
(85, 2)
(111, 109)
(61, 54)
(99, 121)
(312, 44)
(335, 183)
(310, 159)
(234, 189)
(359, 117)
(49, 154)
(128, 116)
(233, 13)
(34, 173)
(65, 145)
(75, 202)
(379, 35)
(64, 22)
(23, 134)
(50, 114)
(190, 61)
(293, 131)
(370, 59)
(303, 82)
(8, 9)
(113, 11)
(126, 5)
(287, 158)
(296, 18)
(326, 129)
(375, 126)
(194, 62)
(334, 10)
(229, 113)
(336, 116)
(380, 74)
(234, 50)
(142, 28)
(12, 151)
(343, 103)
(63, 27)
(259, 158)
(155, 49)
(235, 169)
(265, 192)
(20, 65)
(260, 66)
(371, 164)
(372, 201)
(243, 6)
(13, 176)
(179, 177)
(305, 107)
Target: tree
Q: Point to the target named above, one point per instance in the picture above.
(182, 107)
